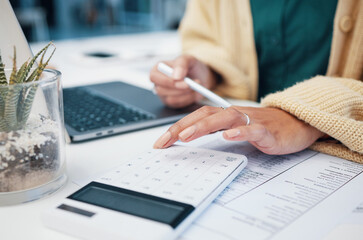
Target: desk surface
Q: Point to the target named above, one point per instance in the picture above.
(85, 160)
(91, 158)
(88, 159)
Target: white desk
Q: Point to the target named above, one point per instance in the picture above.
(91, 158)
(94, 157)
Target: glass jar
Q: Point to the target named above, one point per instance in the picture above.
(32, 143)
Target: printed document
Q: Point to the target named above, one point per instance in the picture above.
(271, 193)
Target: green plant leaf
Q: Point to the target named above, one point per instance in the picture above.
(3, 125)
(32, 76)
(38, 54)
(42, 66)
(16, 100)
(10, 108)
(3, 93)
(3, 80)
(26, 106)
(22, 97)
(32, 61)
(12, 79)
(20, 76)
(38, 71)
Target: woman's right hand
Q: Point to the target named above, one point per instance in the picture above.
(174, 92)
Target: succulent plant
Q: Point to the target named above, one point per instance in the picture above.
(16, 98)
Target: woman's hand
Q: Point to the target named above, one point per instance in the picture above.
(174, 92)
(271, 130)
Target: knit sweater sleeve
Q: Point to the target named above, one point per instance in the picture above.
(200, 35)
(332, 105)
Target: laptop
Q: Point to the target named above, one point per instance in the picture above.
(100, 110)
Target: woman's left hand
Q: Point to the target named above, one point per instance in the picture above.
(272, 130)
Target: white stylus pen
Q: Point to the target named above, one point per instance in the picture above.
(168, 71)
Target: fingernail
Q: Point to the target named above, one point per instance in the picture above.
(232, 133)
(178, 73)
(187, 133)
(164, 139)
(181, 85)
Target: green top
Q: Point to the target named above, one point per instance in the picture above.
(293, 39)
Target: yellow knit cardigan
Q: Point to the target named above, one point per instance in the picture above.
(220, 33)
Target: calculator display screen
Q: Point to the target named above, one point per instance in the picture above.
(134, 203)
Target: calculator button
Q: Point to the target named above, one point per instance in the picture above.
(110, 178)
(166, 193)
(187, 176)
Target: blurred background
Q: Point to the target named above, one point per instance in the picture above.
(44, 20)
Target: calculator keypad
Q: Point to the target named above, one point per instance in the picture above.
(178, 173)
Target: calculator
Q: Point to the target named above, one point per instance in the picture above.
(155, 195)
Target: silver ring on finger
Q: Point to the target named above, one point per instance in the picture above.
(248, 120)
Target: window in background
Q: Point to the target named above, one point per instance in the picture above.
(43, 20)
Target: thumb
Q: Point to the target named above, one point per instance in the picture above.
(256, 134)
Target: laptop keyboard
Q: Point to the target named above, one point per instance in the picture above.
(85, 111)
